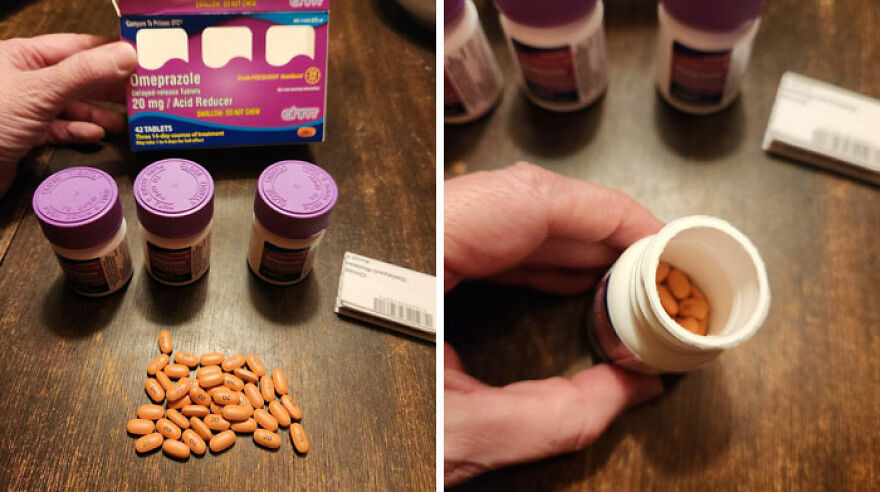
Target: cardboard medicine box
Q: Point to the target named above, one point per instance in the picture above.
(220, 73)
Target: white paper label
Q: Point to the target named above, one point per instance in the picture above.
(387, 295)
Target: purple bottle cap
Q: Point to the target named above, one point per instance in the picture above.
(175, 198)
(294, 199)
(546, 13)
(452, 9)
(78, 207)
(714, 15)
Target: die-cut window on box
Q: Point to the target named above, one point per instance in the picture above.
(155, 47)
(284, 43)
(221, 44)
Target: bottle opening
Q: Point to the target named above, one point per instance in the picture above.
(728, 269)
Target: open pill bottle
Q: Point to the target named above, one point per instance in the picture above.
(175, 207)
(292, 210)
(472, 81)
(703, 49)
(81, 215)
(628, 323)
(559, 47)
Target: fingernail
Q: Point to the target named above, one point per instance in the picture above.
(124, 57)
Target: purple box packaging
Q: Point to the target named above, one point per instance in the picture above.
(220, 73)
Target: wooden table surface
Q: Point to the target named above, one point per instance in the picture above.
(796, 407)
(74, 368)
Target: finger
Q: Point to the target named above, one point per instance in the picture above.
(62, 132)
(115, 93)
(106, 119)
(530, 420)
(570, 253)
(494, 220)
(74, 77)
(554, 280)
(461, 382)
(49, 49)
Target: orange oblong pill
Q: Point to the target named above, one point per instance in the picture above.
(140, 427)
(215, 408)
(267, 389)
(211, 359)
(216, 422)
(267, 439)
(222, 441)
(187, 359)
(176, 371)
(175, 449)
(306, 132)
(150, 412)
(231, 363)
(148, 443)
(236, 413)
(178, 391)
(194, 411)
(279, 413)
(232, 382)
(280, 382)
(690, 324)
(667, 300)
(299, 438)
(164, 380)
(177, 405)
(194, 441)
(168, 429)
(678, 284)
(198, 425)
(245, 426)
(662, 271)
(265, 420)
(199, 396)
(291, 407)
(154, 390)
(243, 401)
(164, 340)
(253, 394)
(157, 364)
(245, 375)
(255, 365)
(211, 380)
(176, 417)
(694, 308)
(225, 397)
(205, 370)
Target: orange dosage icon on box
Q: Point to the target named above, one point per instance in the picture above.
(306, 132)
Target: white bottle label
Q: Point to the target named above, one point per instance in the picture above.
(698, 77)
(179, 265)
(472, 78)
(567, 74)
(98, 275)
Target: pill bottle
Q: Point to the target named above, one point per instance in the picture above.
(559, 46)
(292, 210)
(472, 81)
(703, 49)
(629, 326)
(175, 207)
(81, 216)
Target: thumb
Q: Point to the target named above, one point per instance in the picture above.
(494, 427)
(75, 76)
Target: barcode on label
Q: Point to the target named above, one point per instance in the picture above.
(846, 146)
(402, 311)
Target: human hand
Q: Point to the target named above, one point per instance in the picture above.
(45, 83)
(527, 226)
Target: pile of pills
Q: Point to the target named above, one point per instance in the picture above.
(682, 300)
(226, 396)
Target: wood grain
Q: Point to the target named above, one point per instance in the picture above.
(77, 366)
(794, 408)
